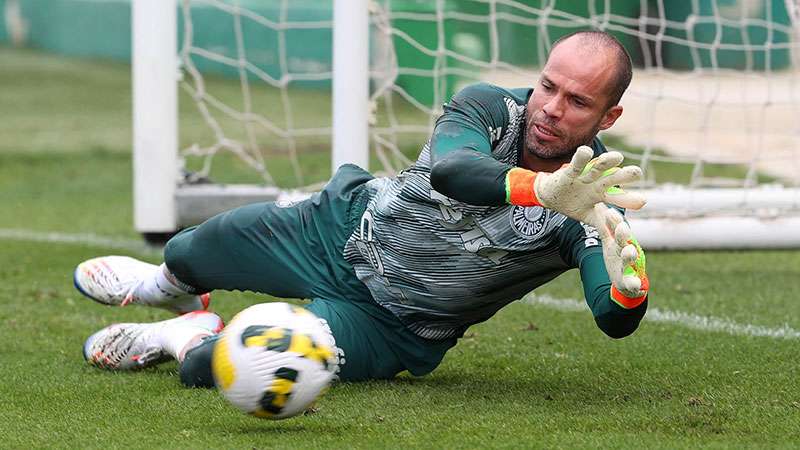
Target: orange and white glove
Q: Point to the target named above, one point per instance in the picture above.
(624, 258)
(576, 187)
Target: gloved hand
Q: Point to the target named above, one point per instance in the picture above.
(575, 188)
(624, 258)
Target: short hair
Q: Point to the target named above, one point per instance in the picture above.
(623, 65)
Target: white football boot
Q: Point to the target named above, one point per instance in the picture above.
(132, 346)
(121, 280)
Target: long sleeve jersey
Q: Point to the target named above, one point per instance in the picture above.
(440, 262)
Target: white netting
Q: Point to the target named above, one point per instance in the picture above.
(714, 101)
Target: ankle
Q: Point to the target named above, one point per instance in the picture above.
(170, 278)
(194, 342)
(178, 339)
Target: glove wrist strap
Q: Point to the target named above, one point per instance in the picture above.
(626, 302)
(520, 187)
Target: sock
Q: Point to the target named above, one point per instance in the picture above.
(161, 285)
(177, 339)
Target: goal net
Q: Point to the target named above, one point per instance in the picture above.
(711, 115)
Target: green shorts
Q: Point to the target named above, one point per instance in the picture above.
(295, 251)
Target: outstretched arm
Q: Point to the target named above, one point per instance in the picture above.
(462, 165)
(618, 303)
(611, 316)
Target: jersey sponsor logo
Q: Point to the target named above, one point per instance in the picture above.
(529, 222)
(473, 237)
(365, 242)
(592, 235)
(451, 218)
(476, 241)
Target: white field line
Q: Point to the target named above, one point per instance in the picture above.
(686, 320)
(88, 239)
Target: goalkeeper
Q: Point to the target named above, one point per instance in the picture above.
(509, 192)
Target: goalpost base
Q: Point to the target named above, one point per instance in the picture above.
(196, 203)
(682, 218)
(718, 233)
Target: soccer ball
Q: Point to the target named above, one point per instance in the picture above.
(274, 359)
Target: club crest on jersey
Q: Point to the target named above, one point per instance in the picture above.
(529, 222)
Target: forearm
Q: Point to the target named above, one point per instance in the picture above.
(471, 177)
(612, 318)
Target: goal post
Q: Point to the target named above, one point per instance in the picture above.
(350, 83)
(155, 115)
(276, 94)
(163, 202)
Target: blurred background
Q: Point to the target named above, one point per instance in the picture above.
(713, 104)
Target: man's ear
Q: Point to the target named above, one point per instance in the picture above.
(610, 117)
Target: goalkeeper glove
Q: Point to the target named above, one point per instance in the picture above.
(624, 258)
(575, 188)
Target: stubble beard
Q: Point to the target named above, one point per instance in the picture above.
(561, 150)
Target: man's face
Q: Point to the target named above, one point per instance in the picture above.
(569, 104)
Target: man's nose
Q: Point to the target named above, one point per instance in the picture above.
(554, 107)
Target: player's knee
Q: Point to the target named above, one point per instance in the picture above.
(180, 258)
(195, 371)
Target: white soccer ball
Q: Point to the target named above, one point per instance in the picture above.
(274, 359)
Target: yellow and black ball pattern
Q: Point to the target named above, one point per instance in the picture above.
(274, 360)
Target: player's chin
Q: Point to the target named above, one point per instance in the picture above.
(548, 151)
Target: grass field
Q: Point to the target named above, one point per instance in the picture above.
(538, 375)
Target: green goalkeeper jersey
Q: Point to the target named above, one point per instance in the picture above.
(441, 264)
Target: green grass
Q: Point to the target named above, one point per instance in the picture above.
(531, 377)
